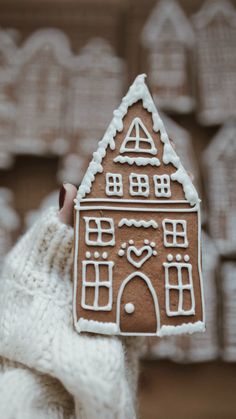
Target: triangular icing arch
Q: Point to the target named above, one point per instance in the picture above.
(136, 124)
(137, 91)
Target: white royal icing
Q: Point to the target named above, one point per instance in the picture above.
(137, 223)
(172, 236)
(137, 91)
(179, 287)
(95, 283)
(139, 185)
(99, 231)
(137, 141)
(139, 161)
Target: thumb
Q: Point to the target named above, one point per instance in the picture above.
(66, 203)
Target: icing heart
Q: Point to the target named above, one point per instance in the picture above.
(143, 254)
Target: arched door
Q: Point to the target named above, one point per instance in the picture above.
(137, 305)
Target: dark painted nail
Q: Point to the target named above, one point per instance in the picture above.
(62, 195)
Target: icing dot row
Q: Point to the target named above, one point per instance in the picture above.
(178, 257)
(104, 255)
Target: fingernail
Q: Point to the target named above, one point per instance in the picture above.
(62, 195)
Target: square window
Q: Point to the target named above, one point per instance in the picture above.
(139, 185)
(99, 231)
(114, 184)
(162, 186)
(97, 294)
(175, 233)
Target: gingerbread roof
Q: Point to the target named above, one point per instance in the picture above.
(138, 91)
(48, 39)
(211, 9)
(167, 11)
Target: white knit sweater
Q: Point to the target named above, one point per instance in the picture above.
(48, 370)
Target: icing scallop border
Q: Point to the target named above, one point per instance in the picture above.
(137, 91)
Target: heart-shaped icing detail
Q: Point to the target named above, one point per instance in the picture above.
(143, 254)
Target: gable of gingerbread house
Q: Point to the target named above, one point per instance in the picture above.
(167, 23)
(213, 12)
(135, 159)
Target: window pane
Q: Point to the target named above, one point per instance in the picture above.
(174, 300)
(185, 276)
(187, 300)
(103, 299)
(90, 273)
(89, 296)
(173, 276)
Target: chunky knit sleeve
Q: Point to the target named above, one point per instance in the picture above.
(36, 327)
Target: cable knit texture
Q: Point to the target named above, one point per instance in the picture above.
(47, 369)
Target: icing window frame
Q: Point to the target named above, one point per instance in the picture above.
(172, 234)
(179, 287)
(137, 139)
(139, 185)
(96, 283)
(162, 186)
(114, 184)
(99, 230)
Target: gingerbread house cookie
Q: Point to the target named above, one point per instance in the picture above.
(219, 162)
(96, 84)
(137, 266)
(168, 39)
(215, 26)
(42, 82)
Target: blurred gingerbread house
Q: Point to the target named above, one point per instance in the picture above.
(184, 146)
(219, 161)
(215, 26)
(168, 38)
(8, 68)
(41, 93)
(228, 281)
(96, 84)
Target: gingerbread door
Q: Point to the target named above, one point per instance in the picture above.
(139, 308)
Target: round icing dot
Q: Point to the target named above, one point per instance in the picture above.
(169, 257)
(96, 255)
(146, 241)
(153, 244)
(131, 242)
(154, 252)
(121, 252)
(178, 257)
(104, 255)
(88, 255)
(186, 258)
(123, 245)
(129, 308)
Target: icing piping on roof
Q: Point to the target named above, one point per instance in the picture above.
(139, 161)
(210, 9)
(137, 91)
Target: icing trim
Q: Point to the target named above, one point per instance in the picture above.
(137, 91)
(137, 223)
(140, 209)
(93, 326)
(139, 161)
(189, 328)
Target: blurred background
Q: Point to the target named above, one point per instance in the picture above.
(64, 66)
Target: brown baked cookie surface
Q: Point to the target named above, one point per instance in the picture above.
(137, 266)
